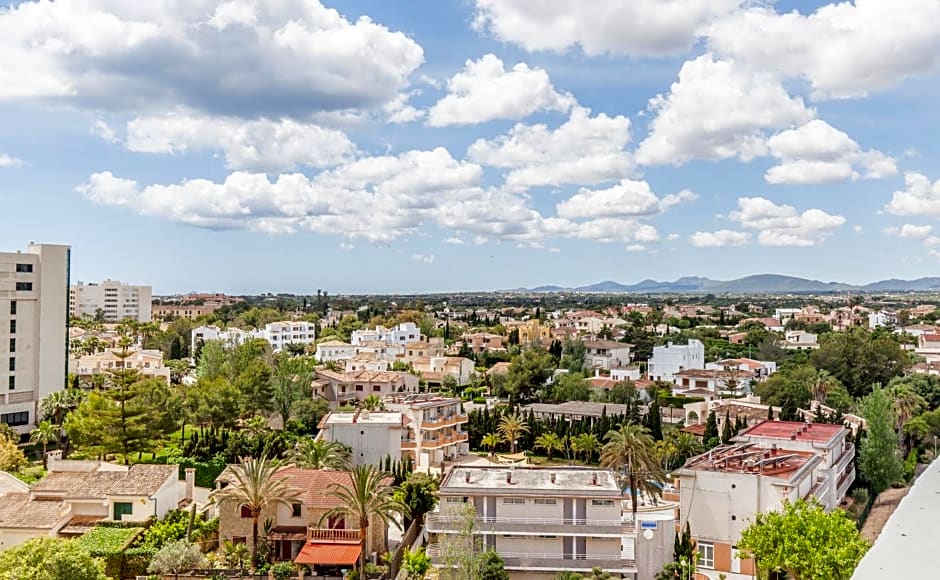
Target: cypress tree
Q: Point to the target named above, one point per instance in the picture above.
(655, 421)
(726, 433)
(711, 428)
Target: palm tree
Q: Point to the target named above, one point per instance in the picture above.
(490, 440)
(585, 443)
(511, 426)
(256, 487)
(632, 450)
(550, 442)
(372, 403)
(367, 498)
(907, 404)
(686, 445)
(56, 405)
(44, 434)
(313, 454)
(823, 382)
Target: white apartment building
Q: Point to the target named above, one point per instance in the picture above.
(672, 358)
(348, 388)
(116, 300)
(401, 334)
(433, 369)
(278, 334)
(34, 290)
(606, 354)
(800, 340)
(434, 428)
(721, 491)
(335, 350)
(705, 382)
(149, 363)
(544, 521)
(372, 436)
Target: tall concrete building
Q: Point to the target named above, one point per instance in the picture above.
(34, 308)
(115, 300)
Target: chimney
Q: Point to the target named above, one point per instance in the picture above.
(190, 481)
(466, 477)
(793, 436)
(553, 478)
(509, 477)
(594, 479)
(773, 450)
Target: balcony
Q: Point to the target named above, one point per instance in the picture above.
(440, 523)
(844, 482)
(332, 535)
(552, 562)
(447, 421)
(408, 443)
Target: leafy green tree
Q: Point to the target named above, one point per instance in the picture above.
(212, 361)
(11, 456)
(879, 458)
(213, 402)
(549, 442)
(528, 373)
(804, 542)
(254, 383)
(493, 567)
(255, 486)
(572, 355)
(570, 387)
(416, 564)
(308, 412)
(711, 427)
(631, 450)
(316, 454)
(511, 427)
(292, 376)
(859, 359)
(417, 496)
(177, 557)
(49, 559)
(368, 498)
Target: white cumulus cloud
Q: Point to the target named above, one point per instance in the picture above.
(9, 161)
(485, 91)
(911, 231)
(424, 258)
(783, 225)
(919, 197)
(627, 198)
(719, 239)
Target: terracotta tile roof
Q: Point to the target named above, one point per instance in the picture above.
(313, 485)
(17, 511)
(697, 430)
(816, 432)
(140, 479)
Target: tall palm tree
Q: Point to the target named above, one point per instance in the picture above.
(44, 434)
(585, 443)
(907, 404)
(823, 382)
(686, 445)
(550, 442)
(256, 487)
(490, 440)
(631, 449)
(56, 405)
(510, 427)
(313, 454)
(368, 498)
(372, 403)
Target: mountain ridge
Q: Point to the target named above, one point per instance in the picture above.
(754, 284)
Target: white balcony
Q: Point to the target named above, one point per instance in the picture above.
(440, 523)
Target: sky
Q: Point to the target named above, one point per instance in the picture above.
(365, 146)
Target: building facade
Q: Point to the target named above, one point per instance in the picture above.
(672, 358)
(606, 354)
(340, 388)
(34, 306)
(370, 435)
(114, 300)
(278, 334)
(148, 363)
(434, 428)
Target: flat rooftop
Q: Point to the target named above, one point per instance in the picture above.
(794, 431)
(750, 458)
(531, 480)
(372, 418)
(580, 408)
(905, 548)
(421, 400)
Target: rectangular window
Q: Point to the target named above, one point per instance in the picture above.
(15, 419)
(514, 500)
(24, 268)
(548, 537)
(122, 509)
(295, 510)
(12, 345)
(245, 511)
(12, 327)
(706, 555)
(358, 388)
(452, 499)
(24, 286)
(12, 364)
(12, 382)
(13, 308)
(544, 501)
(602, 502)
(376, 389)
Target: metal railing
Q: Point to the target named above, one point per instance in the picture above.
(331, 534)
(557, 561)
(485, 524)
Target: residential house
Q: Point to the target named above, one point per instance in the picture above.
(799, 340)
(673, 358)
(916, 330)
(278, 334)
(721, 491)
(299, 530)
(366, 362)
(530, 331)
(761, 369)
(433, 428)
(928, 346)
(148, 363)
(484, 342)
(882, 318)
(413, 351)
(340, 388)
(335, 350)
(593, 325)
(371, 435)
(433, 369)
(401, 334)
(545, 521)
(783, 314)
(696, 382)
(381, 349)
(606, 354)
(771, 324)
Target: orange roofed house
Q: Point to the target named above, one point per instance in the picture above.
(722, 490)
(296, 532)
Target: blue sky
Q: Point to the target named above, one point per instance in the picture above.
(372, 146)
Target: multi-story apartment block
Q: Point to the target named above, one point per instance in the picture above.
(187, 311)
(278, 334)
(115, 300)
(544, 521)
(721, 491)
(484, 341)
(401, 334)
(34, 291)
(672, 358)
(342, 388)
(149, 363)
(335, 350)
(434, 428)
(371, 435)
(433, 369)
(606, 354)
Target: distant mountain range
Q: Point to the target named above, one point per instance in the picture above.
(757, 284)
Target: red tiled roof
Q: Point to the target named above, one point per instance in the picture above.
(314, 485)
(697, 430)
(328, 554)
(816, 432)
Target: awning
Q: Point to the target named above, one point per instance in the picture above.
(329, 554)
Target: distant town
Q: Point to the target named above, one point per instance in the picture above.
(517, 434)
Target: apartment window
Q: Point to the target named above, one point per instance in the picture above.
(13, 308)
(24, 286)
(514, 500)
(24, 268)
(544, 501)
(547, 537)
(12, 345)
(295, 510)
(121, 509)
(12, 364)
(602, 502)
(513, 536)
(12, 382)
(15, 419)
(245, 512)
(452, 499)
(239, 539)
(706, 555)
(358, 388)
(376, 389)
(12, 327)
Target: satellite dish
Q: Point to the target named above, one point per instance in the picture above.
(648, 534)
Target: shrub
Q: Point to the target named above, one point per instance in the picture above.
(282, 571)
(479, 401)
